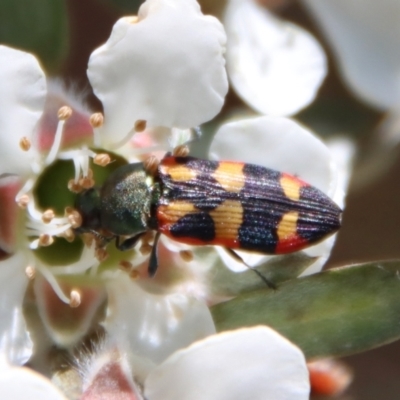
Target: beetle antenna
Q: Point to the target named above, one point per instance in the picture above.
(153, 261)
(236, 256)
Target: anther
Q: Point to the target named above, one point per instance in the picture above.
(151, 165)
(181, 151)
(140, 125)
(74, 217)
(25, 143)
(145, 249)
(23, 201)
(64, 113)
(75, 298)
(68, 235)
(47, 216)
(134, 274)
(74, 187)
(30, 272)
(186, 255)
(96, 120)
(102, 159)
(45, 240)
(148, 237)
(86, 182)
(101, 254)
(125, 265)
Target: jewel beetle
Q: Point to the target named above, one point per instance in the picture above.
(201, 202)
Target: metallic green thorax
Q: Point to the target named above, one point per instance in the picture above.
(126, 199)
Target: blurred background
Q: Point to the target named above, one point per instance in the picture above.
(63, 33)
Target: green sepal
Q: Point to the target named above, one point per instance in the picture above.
(334, 313)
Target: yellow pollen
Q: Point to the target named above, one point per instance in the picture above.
(75, 298)
(45, 240)
(186, 255)
(30, 272)
(23, 201)
(140, 125)
(96, 120)
(181, 151)
(64, 113)
(47, 216)
(25, 143)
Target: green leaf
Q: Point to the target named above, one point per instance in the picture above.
(277, 269)
(38, 26)
(333, 313)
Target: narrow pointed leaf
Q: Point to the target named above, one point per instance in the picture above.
(333, 313)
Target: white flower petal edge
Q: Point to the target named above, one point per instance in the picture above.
(165, 67)
(22, 383)
(15, 342)
(365, 36)
(275, 66)
(154, 325)
(252, 363)
(278, 143)
(22, 97)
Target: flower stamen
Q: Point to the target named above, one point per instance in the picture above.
(75, 298)
(186, 255)
(140, 125)
(25, 144)
(23, 201)
(102, 159)
(30, 272)
(48, 216)
(45, 240)
(96, 120)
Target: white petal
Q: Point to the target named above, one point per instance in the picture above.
(365, 37)
(15, 340)
(22, 97)
(255, 363)
(166, 68)
(280, 144)
(155, 325)
(275, 66)
(23, 383)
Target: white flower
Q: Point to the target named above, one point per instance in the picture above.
(254, 363)
(157, 82)
(276, 67)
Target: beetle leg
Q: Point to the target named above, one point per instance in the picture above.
(153, 261)
(236, 256)
(128, 243)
